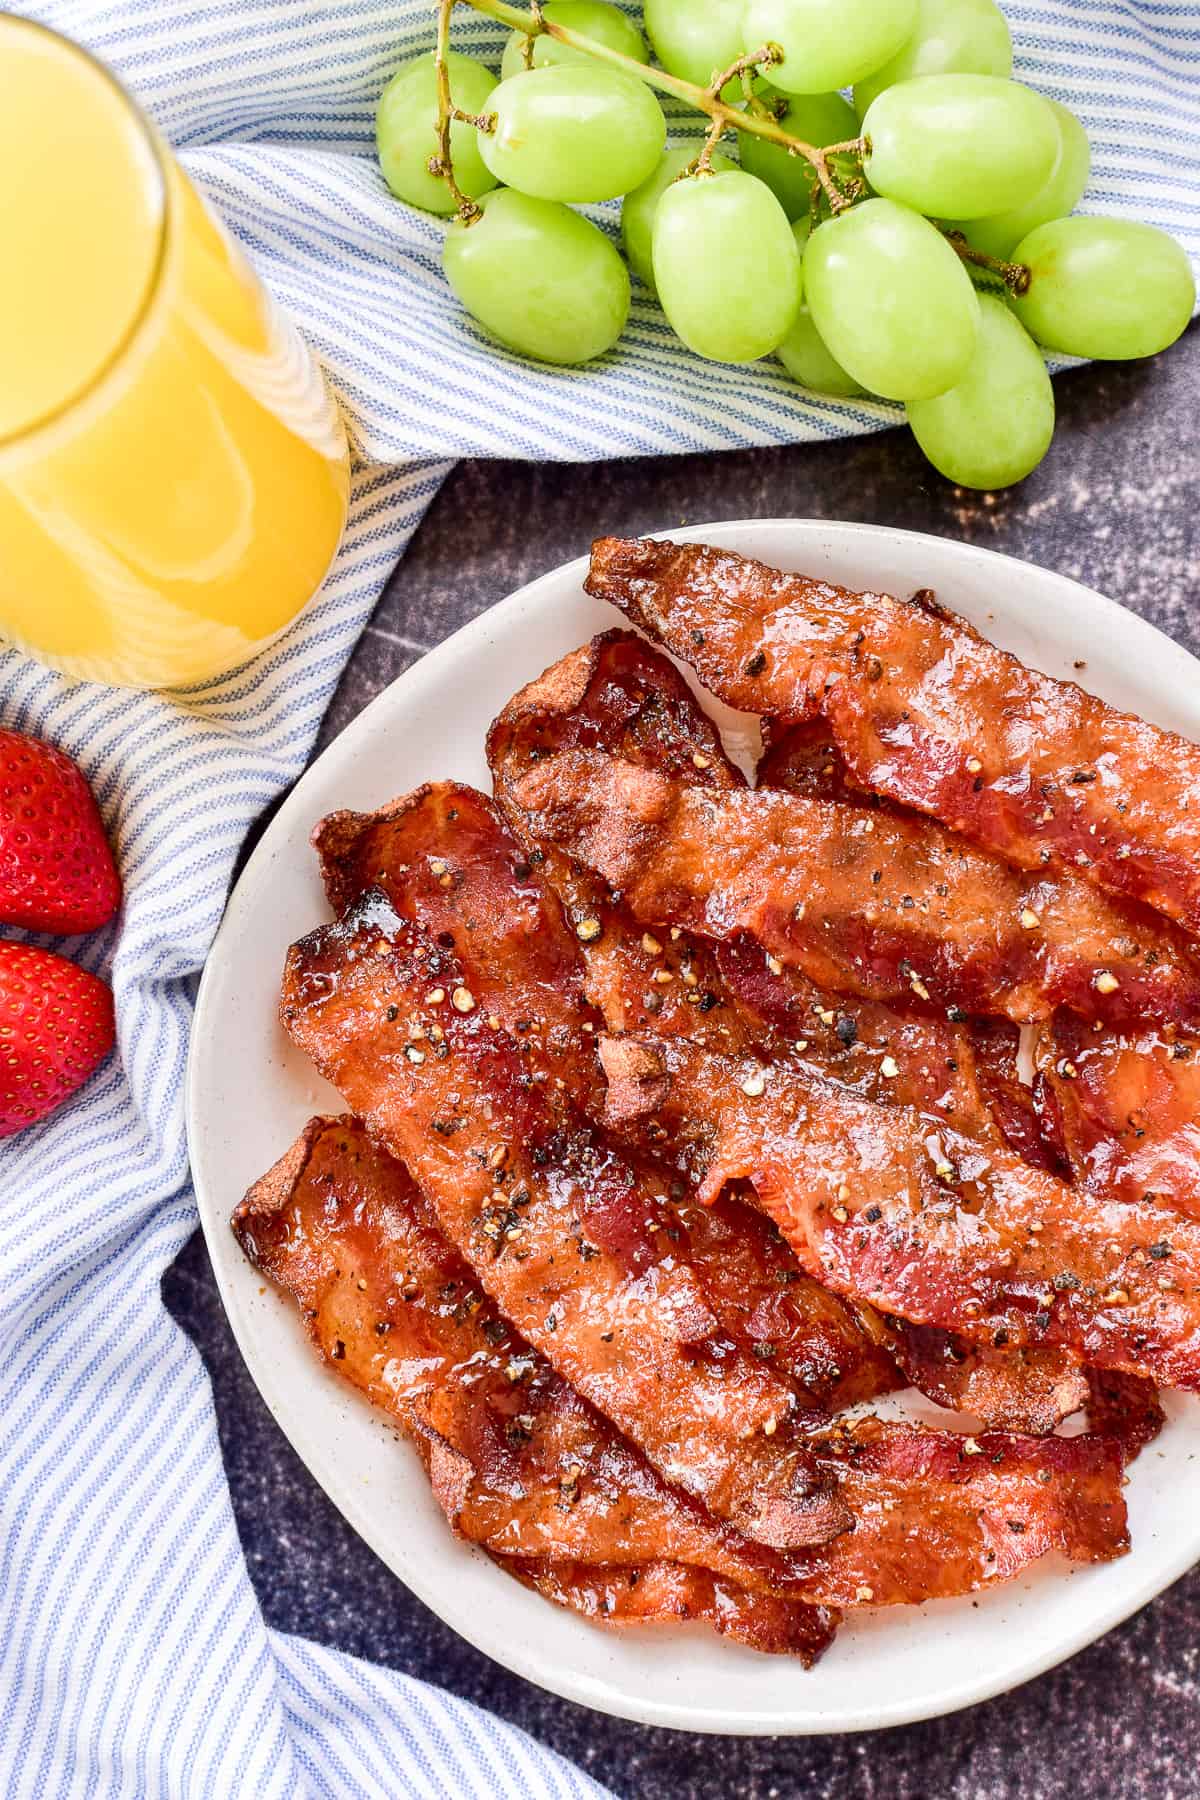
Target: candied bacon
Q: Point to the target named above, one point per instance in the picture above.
(1127, 1108)
(802, 759)
(927, 711)
(984, 1052)
(571, 1240)
(663, 1593)
(1030, 1389)
(520, 1463)
(917, 1220)
(445, 857)
(1038, 1495)
(620, 695)
(445, 848)
(879, 905)
(525, 1468)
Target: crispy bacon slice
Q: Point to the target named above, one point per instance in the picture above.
(868, 904)
(445, 857)
(903, 1546)
(1028, 1389)
(984, 1053)
(519, 1462)
(1127, 1108)
(926, 711)
(619, 695)
(575, 1243)
(803, 759)
(670, 1594)
(1125, 1408)
(921, 1221)
(524, 1467)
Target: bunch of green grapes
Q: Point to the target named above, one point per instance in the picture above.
(929, 260)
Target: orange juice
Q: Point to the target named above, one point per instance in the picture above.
(173, 471)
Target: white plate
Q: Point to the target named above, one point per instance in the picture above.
(249, 1093)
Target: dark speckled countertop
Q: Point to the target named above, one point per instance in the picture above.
(1117, 505)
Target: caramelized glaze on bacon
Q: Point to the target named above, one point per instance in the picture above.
(1126, 1106)
(868, 904)
(518, 1462)
(988, 1092)
(445, 857)
(1031, 1388)
(620, 696)
(671, 1594)
(921, 1221)
(575, 1243)
(926, 711)
(524, 1467)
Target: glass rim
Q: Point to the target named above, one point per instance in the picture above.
(154, 279)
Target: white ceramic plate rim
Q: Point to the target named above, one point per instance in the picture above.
(473, 1598)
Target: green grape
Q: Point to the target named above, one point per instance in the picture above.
(960, 146)
(806, 358)
(953, 37)
(637, 213)
(574, 131)
(1105, 288)
(1058, 195)
(827, 45)
(695, 39)
(819, 119)
(591, 18)
(804, 353)
(891, 300)
(406, 131)
(996, 424)
(545, 281)
(726, 266)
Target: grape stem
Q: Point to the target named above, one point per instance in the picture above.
(703, 163)
(443, 163)
(1015, 276)
(756, 121)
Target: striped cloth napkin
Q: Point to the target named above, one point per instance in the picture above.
(134, 1659)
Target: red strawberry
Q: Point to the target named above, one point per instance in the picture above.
(56, 1024)
(56, 869)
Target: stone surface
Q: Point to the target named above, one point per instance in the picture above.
(1115, 504)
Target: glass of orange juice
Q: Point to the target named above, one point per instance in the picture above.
(173, 469)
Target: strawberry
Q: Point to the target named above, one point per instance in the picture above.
(56, 869)
(56, 1025)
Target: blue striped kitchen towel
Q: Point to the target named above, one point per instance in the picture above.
(134, 1660)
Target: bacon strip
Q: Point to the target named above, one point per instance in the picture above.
(926, 711)
(572, 1241)
(445, 857)
(921, 1221)
(519, 1464)
(803, 759)
(1029, 1389)
(987, 1093)
(1127, 1109)
(909, 1489)
(874, 905)
(620, 696)
(669, 1594)
(525, 1468)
